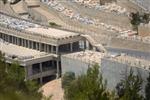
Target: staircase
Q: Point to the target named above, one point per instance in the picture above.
(98, 46)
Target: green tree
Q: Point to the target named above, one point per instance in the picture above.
(67, 78)
(147, 89)
(135, 20)
(146, 18)
(13, 85)
(4, 1)
(89, 86)
(129, 87)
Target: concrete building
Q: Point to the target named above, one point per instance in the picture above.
(27, 40)
(40, 66)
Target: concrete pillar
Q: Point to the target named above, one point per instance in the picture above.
(51, 49)
(39, 46)
(41, 67)
(87, 45)
(15, 40)
(31, 44)
(9, 38)
(47, 48)
(25, 43)
(12, 39)
(56, 49)
(28, 41)
(41, 80)
(36, 45)
(84, 44)
(71, 47)
(21, 42)
(58, 71)
(26, 72)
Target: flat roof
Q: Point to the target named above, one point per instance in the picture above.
(86, 56)
(20, 53)
(53, 33)
(32, 28)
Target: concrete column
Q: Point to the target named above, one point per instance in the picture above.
(51, 49)
(28, 43)
(36, 45)
(41, 80)
(56, 49)
(26, 72)
(32, 44)
(84, 43)
(47, 48)
(21, 42)
(2, 36)
(15, 40)
(58, 71)
(25, 43)
(12, 39)
(41, 67)
(9, 38)
(39, 46)
(71, 47)
(87, 45)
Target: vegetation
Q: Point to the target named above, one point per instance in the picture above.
(137, 18)
(147, 89)
(4, 1)
(53, 24)
(13, 85)
(88, 87)
(91, 86)
(129, 87)
(67, 78)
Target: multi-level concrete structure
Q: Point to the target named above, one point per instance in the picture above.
(25, 37)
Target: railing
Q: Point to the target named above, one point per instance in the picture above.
(42, 74)
(27, 35)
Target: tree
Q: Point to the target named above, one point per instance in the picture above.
(53, 24)
(135, 20)
(146, 18)
(89, 86)
(13, 85)
(147, 89)
(67, 78)
(129, 87)
(4, 1)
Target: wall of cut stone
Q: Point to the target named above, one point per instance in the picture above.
(132, 53)
(129, 44)
(113, 72)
